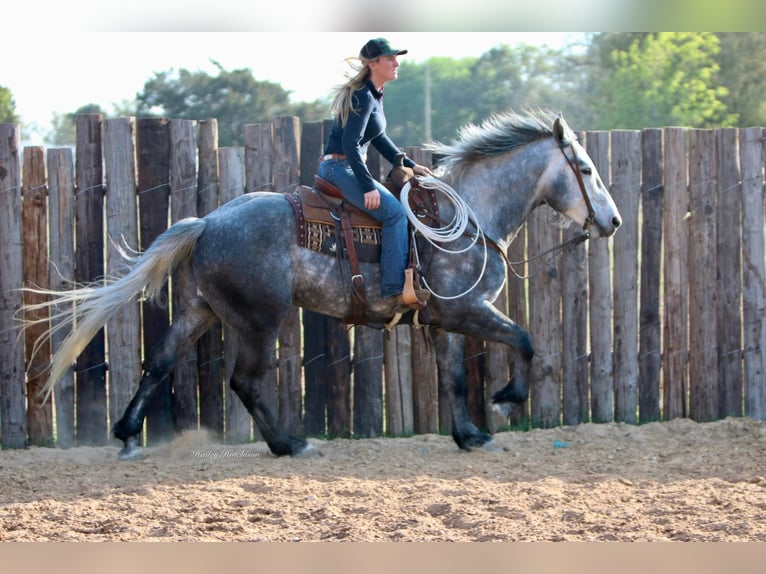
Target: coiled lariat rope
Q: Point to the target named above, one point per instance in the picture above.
(447, 233)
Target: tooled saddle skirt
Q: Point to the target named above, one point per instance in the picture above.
(316, 212)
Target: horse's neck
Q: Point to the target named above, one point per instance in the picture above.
(502, 196)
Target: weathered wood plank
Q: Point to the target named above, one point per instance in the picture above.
(315, 324)
(754, 275)
(703, 324)
(650, 349)
(600, 304)
(35, 232)
(13, 415)
(675, 273)
(729, 281)
(575, 390)
(153, 166)
(89, 252)
(123, 329)
(286, 170)
(368, 382)
(398, 381)
(626, 192)
(210, 345)
(183, 204)
(517, 310)
(545, 321)
(61, 198)
(238, 427)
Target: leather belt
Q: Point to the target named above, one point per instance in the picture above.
(338, 156)
(327, 156)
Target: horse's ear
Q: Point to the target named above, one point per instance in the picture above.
(559, 128)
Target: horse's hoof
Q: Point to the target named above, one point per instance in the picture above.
(308, 451)
(493, 446)
(503, 409)
(131, 450)
(133, 453)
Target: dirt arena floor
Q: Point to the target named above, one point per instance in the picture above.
(673, 481)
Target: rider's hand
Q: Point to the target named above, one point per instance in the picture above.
(421, 170)
(372, 199)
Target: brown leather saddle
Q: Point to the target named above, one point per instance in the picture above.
(328, 224)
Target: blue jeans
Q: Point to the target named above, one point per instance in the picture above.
(391, 215)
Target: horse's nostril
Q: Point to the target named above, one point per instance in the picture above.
(616, 222)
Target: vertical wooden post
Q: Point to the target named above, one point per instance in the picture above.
(259, 176)
(703, 328)
(153, 166)
(286, 176)
(754, 275)
(89, 236)
(574, 323)
(368, 382)
(183, 204)
(675, 273)
(574, 320)
(650, 351)
(314, 324)
(35, 233)
(123, 329)
(517, 310)
(238, 422)
(626, 192)
(61, 198)
(13, 419)
(729, 280)
(600, 294)
(545, 323)
(398, 367)
(425, 380)
(210, 344)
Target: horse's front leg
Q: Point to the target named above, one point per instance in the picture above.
(450, 362)
(484, 321)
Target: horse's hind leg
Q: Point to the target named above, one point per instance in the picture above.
(187, 327)
(254, 359)
(449, 357)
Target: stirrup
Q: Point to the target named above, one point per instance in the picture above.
(415, 299)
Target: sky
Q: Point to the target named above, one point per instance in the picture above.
(108, 68)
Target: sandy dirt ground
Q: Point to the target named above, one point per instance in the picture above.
(671, 481)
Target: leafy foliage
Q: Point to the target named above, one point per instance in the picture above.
(664, 79)
(610, 80)
(7, 107)
(235, 98)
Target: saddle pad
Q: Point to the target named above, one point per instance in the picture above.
(316, 231)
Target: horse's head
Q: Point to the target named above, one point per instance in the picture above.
(573, 186)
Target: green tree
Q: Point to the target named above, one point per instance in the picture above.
(661, 79)
(742, 63)
(469, 90)
(235, 98)
(7, 107)
(447, 81)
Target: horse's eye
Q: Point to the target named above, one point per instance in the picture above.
(587, 171)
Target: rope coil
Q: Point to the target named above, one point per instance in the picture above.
(447, 233)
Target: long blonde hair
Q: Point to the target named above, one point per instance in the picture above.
(343, 100)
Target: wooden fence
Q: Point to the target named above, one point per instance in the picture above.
(664, 320)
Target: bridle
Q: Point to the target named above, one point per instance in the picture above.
(591, 219)
(559, 250)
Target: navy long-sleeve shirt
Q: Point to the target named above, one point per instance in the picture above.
(366, 125)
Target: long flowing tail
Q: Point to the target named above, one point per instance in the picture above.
(86, 309)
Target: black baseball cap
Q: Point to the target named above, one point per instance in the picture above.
(379, 47)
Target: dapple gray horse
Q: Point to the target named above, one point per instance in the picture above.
(248, 271)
